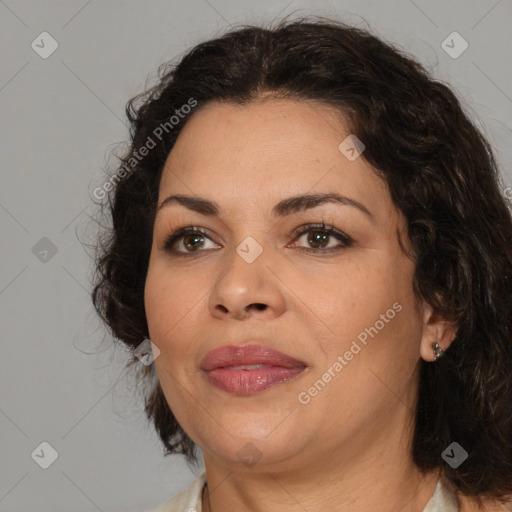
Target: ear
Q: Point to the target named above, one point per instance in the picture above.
(435, 329)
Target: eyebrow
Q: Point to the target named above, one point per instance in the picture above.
(285, 207)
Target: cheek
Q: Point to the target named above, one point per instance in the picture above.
(169, 301)
(370, 301)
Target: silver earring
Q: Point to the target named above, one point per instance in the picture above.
(438, 351)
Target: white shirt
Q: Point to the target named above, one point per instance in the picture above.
(189, 500)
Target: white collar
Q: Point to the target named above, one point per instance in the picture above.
(443, 499)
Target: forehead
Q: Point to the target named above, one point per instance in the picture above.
(267, 128)
(267, 150)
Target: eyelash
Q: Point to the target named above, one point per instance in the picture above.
(330, 230)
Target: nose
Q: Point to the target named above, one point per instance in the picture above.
(247, 290)
(258, 306)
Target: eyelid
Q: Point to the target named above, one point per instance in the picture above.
(310, 226)
(176, 234)
(331, 230)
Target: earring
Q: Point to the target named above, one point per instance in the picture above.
(438, 351)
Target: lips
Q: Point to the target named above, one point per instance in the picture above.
(248, 369)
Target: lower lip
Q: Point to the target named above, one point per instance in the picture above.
(248, 382)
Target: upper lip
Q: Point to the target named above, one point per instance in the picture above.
(235, 355)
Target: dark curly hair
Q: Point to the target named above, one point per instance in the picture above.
(441, 173)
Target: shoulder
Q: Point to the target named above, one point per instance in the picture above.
(448, 497)
(188, 500)
(469, 505)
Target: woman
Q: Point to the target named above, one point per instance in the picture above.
(311, 232)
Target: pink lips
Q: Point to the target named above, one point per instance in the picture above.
(248, 369)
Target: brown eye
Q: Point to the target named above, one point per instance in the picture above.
(191, 239)
(319, 236)
(192, 242)
(318, 239)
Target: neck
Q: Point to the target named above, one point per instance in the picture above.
(374, 472)
(274, 496)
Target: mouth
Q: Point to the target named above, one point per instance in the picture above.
(249, 369)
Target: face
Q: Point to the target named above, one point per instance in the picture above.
(340, 304)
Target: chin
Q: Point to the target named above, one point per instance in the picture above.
(248, 453)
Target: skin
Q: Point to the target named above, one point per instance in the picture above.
(348, 449)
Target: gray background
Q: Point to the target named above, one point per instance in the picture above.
(60, 118)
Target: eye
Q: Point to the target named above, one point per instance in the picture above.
(192, 239)
(318, 238)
